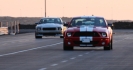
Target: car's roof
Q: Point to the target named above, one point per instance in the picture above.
(50, 17)
(88, 17)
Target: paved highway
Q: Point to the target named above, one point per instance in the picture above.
(24, 52)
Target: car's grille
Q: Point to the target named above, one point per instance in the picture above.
(49, 28)
(59, 28)
(93, 34)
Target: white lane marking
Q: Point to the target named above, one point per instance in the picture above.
(14, 41)
(20, 44)
(3, 44)
(29, 44)
(30, 49)
(80, 55)
(73, 58)
(54, 64)
(87, 53)
(43, 69)
(64, 61)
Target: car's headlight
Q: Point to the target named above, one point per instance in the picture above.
(38, 28)
(104, 34)
(69, 34)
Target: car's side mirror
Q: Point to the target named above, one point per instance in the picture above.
(111, 25)
(36, 23)
(65, 24)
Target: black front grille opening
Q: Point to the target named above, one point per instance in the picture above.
(91, 42)
(59, 28)
(93, 34)
(49, 28)
(45, 34)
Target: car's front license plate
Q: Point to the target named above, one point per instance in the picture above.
(87, 40)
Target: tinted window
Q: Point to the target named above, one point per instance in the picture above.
(50, 20)
(88, 21)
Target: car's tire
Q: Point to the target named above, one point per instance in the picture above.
(111, 44)
(109, 47)
(67, 47)
(38, 37)
(61, 36)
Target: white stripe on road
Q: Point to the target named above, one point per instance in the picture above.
(7, 42)
(30, 49)
(87, 53)
(64, 61)
(73, 58)
(80, 55)
(43, 69)
(54, 64)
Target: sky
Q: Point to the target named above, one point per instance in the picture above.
(110, 9)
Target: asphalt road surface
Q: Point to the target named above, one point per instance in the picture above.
(24, 52)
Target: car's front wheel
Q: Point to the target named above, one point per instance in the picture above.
(109, 46)
(38, 37)
(67, 47)
(61, 37)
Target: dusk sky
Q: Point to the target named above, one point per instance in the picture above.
(110, 9)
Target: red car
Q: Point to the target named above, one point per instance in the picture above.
(88, 31)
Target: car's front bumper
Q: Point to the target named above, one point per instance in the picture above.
(97, 41)
(48, 33)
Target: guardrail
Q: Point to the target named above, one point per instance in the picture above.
(11, 28)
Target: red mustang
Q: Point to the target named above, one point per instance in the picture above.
(88, 31)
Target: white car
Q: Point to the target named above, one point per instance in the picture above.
(50, 26)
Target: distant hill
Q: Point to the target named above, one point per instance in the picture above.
(32, 20)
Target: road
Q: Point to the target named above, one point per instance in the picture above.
(24, 52)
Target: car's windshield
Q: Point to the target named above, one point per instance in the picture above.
(88, 21)
(50, 20)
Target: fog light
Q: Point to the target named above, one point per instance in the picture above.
(103, 43)
(69, 43)
(106, 39)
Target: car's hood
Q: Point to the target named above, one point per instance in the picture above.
(87, 28)
(49, 25)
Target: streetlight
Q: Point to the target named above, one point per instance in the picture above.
(45, 8)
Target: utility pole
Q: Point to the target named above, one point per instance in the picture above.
(45, 8)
